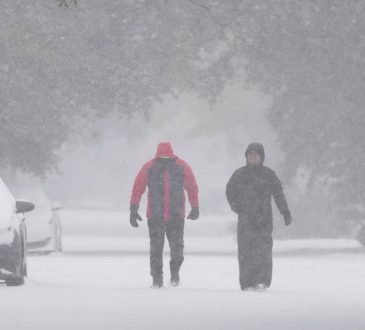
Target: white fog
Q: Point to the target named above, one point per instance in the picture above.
(234, 129)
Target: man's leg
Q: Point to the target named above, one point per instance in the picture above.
(264, 258)
(157, 238)
(255, 258)
(246, 251)
(175, 236)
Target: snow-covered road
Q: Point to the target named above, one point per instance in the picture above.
(102, 282)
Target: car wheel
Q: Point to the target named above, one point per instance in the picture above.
(16, 281)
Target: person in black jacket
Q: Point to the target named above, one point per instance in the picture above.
(249, 192)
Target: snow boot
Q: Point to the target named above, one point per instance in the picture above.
(260, 287)
(248, 288)
(174, 270)
(175, 279)
(157, 283)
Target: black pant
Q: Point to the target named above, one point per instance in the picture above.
(174, 230)
(254, 257)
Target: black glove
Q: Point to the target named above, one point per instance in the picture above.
(134, 216)
(288, 219)
(194, 213)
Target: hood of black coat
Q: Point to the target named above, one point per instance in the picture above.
(259, 148)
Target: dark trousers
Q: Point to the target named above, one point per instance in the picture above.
(254, 257)
(174, 230)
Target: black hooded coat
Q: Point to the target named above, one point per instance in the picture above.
(249, 192)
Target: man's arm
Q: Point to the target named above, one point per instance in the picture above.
(140, 184)
(231, 192)
(279, 197)
(190, 185)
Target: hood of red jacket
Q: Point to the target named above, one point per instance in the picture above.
(164, 149)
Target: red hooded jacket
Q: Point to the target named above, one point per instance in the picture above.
(166, 177)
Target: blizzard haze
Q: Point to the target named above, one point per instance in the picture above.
(88, 89)
(211, 139)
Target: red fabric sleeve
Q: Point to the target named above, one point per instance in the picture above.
(140, 184)
(190, 184)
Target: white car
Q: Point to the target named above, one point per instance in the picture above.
(13, 233)
(44, 225)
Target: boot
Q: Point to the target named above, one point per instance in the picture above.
(260, 287)
(157, 283)
(174, 270)
(175, 278)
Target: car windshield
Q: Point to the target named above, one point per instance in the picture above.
(7, 206)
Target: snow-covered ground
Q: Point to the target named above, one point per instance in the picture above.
(101, 281)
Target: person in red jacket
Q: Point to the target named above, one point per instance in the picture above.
(166, 177)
